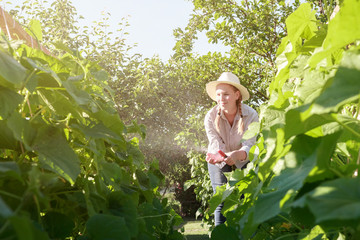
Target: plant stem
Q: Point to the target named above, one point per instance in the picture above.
(154, 216)
(348, 128)
(10, 195)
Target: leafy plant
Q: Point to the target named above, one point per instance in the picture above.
(67, 165)
(200, 180)
(303, 180)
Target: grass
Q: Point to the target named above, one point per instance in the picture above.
(193, 230)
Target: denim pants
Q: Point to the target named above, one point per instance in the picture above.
(218, 178)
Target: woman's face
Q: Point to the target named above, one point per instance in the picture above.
(226, 96)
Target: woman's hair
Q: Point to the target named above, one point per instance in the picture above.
(241, 122)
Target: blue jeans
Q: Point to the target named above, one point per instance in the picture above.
(218, 178)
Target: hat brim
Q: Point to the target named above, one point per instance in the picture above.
(211, 89)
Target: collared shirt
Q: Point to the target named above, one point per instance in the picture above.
(229, 139)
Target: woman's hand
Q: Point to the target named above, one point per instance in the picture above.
(214, 158)
(235, 156)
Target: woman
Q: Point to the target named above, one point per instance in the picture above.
(225, 125)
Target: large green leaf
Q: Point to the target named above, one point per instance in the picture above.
(224, 232)
(99, 131)
(80, 96)
(345, 27)
(301, 159)
(35, 30)
(56, 154)
(125, 205)
(103, 226)
(301, 23)
(310, 88)
(317, 233)
(9, 101)
(60, 103)
(22, 129)
(26, 229)
(12, 73)
(7, 139)
(48, 73)
(10, 169)
(111, 121)
(301, 120)
(343, 88)
(336, 200)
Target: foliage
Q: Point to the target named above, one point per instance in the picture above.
(200, 180)
(185, 196)
(303, 180)
(67, 164)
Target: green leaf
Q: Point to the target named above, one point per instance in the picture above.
(101, 226)
(35, 29)
(224, 232)
(57, 225)
(290, 179)
(22, 129)
(81, 97)
(301, 23)
(56, 154)
(298, 67)
(111, 172)
(343, 88)
(7, 139)
(316, 233)
(315, 42)
(324, 153)
(311, 87)
(48, 73)
(336, 200)
(134, 153)
(346, 24)
(301, 120)
(221, 194)
(10, 169)
(136, 128)
(111, 121)
(27, 230)
(125, 205)
(143, 179)
(252, 131)
(61, 103)
(99, 131)
(101, 75)
(12, 73)
(9, 101)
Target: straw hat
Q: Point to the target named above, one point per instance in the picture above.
(229, 78)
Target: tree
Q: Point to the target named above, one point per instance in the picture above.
(252, 30)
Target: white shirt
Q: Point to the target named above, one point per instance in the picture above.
(229, 139)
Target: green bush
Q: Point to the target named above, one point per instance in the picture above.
(68, 168)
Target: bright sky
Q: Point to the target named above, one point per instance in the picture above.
(151, 22)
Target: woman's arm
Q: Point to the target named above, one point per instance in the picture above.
(243, 153)
(215, 141)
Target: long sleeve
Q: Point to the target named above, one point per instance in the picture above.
(215, 140)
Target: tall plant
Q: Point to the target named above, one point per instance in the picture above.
(302, 182)
(68, 168)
